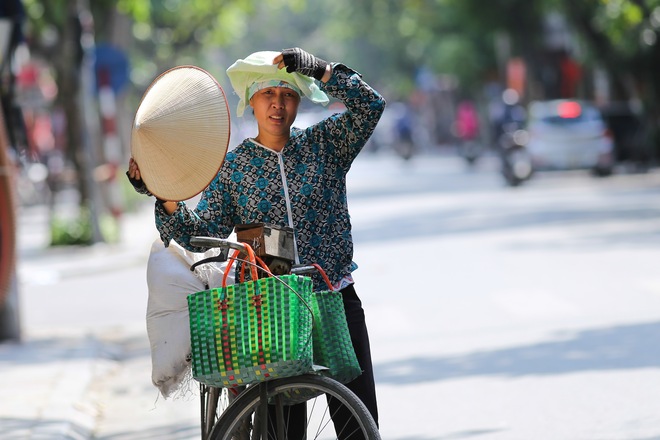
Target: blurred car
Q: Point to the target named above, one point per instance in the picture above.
(569, 134)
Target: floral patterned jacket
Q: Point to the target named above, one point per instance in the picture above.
(303, 186)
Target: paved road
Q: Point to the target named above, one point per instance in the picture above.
(495, 313)
(527, 313)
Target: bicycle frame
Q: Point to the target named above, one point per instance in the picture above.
(209, 395)
(260, 396)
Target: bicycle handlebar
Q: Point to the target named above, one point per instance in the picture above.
(303, 270)
(213, 242)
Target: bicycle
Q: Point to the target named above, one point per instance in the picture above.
(264, 410)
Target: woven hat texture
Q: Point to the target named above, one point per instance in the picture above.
(181, 133)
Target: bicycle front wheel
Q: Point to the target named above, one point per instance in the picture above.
(333, 412)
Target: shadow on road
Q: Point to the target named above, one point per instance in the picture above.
(457, 435)
(171, 432)
(616, 348)
(44, 350)
(20, 429)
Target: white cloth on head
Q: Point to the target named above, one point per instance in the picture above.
(259, 67)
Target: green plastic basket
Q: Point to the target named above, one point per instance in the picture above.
(251, 332)
(333, 347)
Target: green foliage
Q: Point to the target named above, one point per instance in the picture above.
(625, 23)
(394, 37)
(140, 10)
(67, 231)
(388, 41)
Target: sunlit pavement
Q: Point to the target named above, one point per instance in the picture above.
(494, 312)
(510, 313)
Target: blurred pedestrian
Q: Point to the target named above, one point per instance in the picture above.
(467, 121)
(403, 129)
(466, 127)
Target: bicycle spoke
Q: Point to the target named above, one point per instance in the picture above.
(325, 422)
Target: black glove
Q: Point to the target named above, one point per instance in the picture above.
(297, 60)
(139, 185)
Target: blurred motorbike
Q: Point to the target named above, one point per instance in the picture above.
(511, 138)
(516, 162)
(470, 150)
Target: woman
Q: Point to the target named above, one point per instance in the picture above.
(290, 176)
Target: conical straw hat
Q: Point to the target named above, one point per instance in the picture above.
(181, 133)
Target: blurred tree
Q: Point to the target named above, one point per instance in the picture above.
(61, 33)
(622, 37)
(390, 41)
(619, 36)
(64, 32)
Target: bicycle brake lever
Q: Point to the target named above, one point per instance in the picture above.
(220, 258)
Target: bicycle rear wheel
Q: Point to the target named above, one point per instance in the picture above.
(334, 413)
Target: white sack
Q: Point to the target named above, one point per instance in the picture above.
(170, 281)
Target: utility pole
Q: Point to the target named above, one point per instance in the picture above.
(89, 116)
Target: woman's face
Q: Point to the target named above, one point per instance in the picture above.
(275, 109)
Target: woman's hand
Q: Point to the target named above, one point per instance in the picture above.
(135, 178)
(297, 60)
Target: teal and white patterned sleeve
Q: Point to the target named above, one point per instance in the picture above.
(208, 219)
(364, 107)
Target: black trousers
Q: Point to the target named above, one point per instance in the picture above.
(363, 386)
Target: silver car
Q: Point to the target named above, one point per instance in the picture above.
(569, 134)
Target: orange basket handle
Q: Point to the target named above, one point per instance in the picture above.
(324, 276)
(251, 261)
